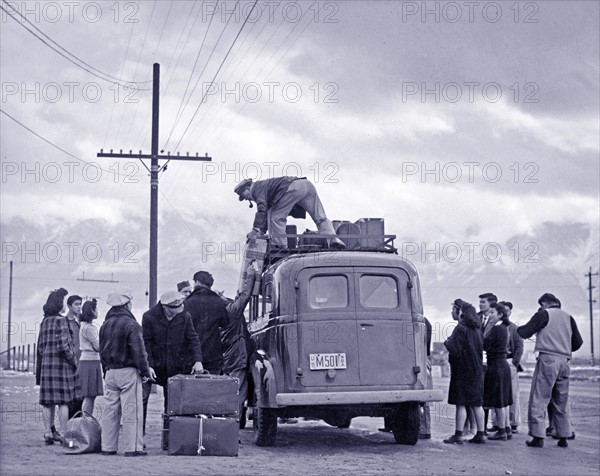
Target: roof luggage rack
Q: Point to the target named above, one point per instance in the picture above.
(315, 242)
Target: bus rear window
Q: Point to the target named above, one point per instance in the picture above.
(325, 292)
(378, 291)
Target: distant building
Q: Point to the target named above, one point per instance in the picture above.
(439, 359)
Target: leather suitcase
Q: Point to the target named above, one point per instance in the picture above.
(203, 394)
(371, 227)
(203, 436)
(351, 242)
(312, 239)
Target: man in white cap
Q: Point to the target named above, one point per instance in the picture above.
(125, 363)
(172, 343)
(278, 197)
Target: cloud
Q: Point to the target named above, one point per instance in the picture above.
(433, 212)
(38, 209)
(571, 134)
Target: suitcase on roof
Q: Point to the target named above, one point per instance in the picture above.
(312, 239)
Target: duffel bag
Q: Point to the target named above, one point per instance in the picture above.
(84, 435)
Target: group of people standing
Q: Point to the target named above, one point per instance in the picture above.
(493, 386)
(185, 332)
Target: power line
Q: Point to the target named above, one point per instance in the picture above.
(122, 69)
(156, 48)
(135, 72)
(96, 72)
(61, 149)
(172, 71)
(183, 99)
(217, 73)
(228, 112)
(213, 132)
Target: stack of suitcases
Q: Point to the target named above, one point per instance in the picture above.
(202, 416)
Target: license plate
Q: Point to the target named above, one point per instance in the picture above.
(327, 361)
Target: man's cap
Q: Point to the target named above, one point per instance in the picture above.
(183, 285)
(239, 188)
(172, 299)
(119, 298)
(547, 297)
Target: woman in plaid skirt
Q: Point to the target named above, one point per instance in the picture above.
(56, 367)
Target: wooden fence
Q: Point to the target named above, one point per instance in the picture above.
(21, 358)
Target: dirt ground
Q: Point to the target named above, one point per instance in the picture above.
(308, 447)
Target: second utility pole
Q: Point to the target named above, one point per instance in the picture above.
(591, 301)
(154, 170)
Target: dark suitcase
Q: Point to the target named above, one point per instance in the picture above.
(371, 227)
(292, 242)
(165, 432)
(352, 242)
(203, 436)
(312, 239)
(203, 394)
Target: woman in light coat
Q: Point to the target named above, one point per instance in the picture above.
(90, 372)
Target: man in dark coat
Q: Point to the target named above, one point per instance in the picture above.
(125, 363)
(557, 338)
(515, 353)
(278, 197)
(172, 344)
(74, 303)
(209, 316)
(236, 338)
(485, 305)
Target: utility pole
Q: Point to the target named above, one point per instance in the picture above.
(591, 301)
(154, 170)
(9, 329)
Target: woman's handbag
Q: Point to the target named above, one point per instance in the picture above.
(83, 435)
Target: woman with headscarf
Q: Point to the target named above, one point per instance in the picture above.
(56, 367)
(90, 372)
(465, 354)
(497, 393)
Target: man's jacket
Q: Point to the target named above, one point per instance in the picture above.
(209, 316)
(121, 342)
(266, 193)
(236, 340)
(173, 346)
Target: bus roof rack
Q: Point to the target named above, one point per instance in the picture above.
(354, 243)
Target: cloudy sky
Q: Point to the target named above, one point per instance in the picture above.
(472, 128)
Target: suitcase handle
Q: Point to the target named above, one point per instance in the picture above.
(203, 373)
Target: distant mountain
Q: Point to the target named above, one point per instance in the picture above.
(553, 258)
